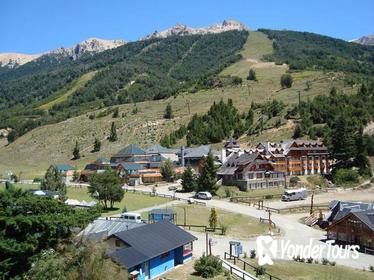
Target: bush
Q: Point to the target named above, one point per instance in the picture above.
(294, 180)
(208, 266)
(332, 263)
(260, 270)
(286, 81)
(252, 254)
(37, 180)
(371, 268)
(309, 260)
(325, 261)
(224, 228)
(345, 176)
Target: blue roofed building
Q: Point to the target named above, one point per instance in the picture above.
(151, 250)
(130, 151)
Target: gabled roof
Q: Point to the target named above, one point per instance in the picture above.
(64, 167)
(102, 160)
(235, 161)
(149, 241)
(158, 149)
(197, 152)
(367, 217)
(132, 166)
(130, 150)
(231, 143)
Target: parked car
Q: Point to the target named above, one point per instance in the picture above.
(204, 195)
(172, 188)
(297, 194)
(131, 217)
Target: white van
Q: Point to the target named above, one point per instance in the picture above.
(296, 194)
(131, 217)
(204, 195)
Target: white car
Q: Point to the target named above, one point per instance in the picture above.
(204, 195)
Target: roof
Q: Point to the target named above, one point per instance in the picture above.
(102, 160)
(149, 241)
(197, 152)
(64, 167)
(130, 150)
(367, 217)
(234, 161)
(158, 149)
(231, 143)
(132, 166)
(161, 211)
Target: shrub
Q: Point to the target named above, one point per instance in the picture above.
(260, 270)
(208, 266)
(345, 176)
(224, 228)
(325, 261)
(332, 263)
(294, 180)
(228, 192)
(309, 260)
(286, 81)
(252, 254)
(371, 268)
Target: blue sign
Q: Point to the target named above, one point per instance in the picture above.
(238, 250)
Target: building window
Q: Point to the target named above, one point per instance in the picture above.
(187, 249)
(342, 236)
(117, 243)
(164, 255)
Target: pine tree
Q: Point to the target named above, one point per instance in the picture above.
(207, 180)
(188, 180)
(113, 133)
(286, 81)
(115, 113)
(297, 132)
(97, 145)
(252, 75)
(343, 139)
(168, 112)
(76, 151)
(213, 218)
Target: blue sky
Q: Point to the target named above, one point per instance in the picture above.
(40, 25)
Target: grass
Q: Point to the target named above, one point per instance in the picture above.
(132, 201)
(239, 226)
(61, 95)
(251, 193)
(304, 271)
(30, 155)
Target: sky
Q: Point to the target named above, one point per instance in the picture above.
(34, 26)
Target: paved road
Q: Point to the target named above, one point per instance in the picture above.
(292, 230)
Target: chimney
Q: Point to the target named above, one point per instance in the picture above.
(223, 155)
(182, 156)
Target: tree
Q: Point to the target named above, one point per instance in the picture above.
(297, 133)
(168, 112)
(53, 181)
(252, 75)
(286, 81)
(343, 139)
(208, 266)
(76, 151)
(12, 136)
(106, 187)
(207, 179)
(97, 145)
(213, 218)
(167, 171)
(115, 113)
(113, 133)
(188, 180)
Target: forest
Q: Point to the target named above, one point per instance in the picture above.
(303, 50)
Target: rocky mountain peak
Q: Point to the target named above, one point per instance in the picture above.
(365, 40)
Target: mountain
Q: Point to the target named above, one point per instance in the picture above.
(12, 60)
(91, 45)
(183, 30)
(365, 40)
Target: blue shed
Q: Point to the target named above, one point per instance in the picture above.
(166, 214)
(151, 250)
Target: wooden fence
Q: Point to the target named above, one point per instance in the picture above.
(206, 228)
(238, 273)
(256, 269)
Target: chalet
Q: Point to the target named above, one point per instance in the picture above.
(339, 209)
(151, 250)
(231, 146)
(194, 157)
(297, 157)
(130, 153)
(354, 228)
(166, 153)
(98, 166)
(66, 170)
(249, 171)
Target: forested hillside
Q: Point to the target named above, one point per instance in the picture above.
(303, 50)
(138, 71)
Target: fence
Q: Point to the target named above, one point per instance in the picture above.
(206, 228)
(173, 197)
(237, 272)
(257, 270)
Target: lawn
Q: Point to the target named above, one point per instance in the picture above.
(234, 191)
(132, 201)
(239, 226)
(291, 270)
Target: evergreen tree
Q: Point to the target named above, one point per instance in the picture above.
(188, 180)
(250, 117)
(213, 218)
(76, 151)
(168, 112)
(113, 133)
(297, 132)
(252, 75)
(207, 179)
(97, 145)
(115, 113)
(53, 181)
(167, 171)
(343, 139)
(286, 81)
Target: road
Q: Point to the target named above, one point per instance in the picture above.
(291, 229)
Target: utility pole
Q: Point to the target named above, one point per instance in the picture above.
(210, 246)
(299, 93)
(269, 220)
(185, 216)
(311, 203)
(188, 106)
(206, 243)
